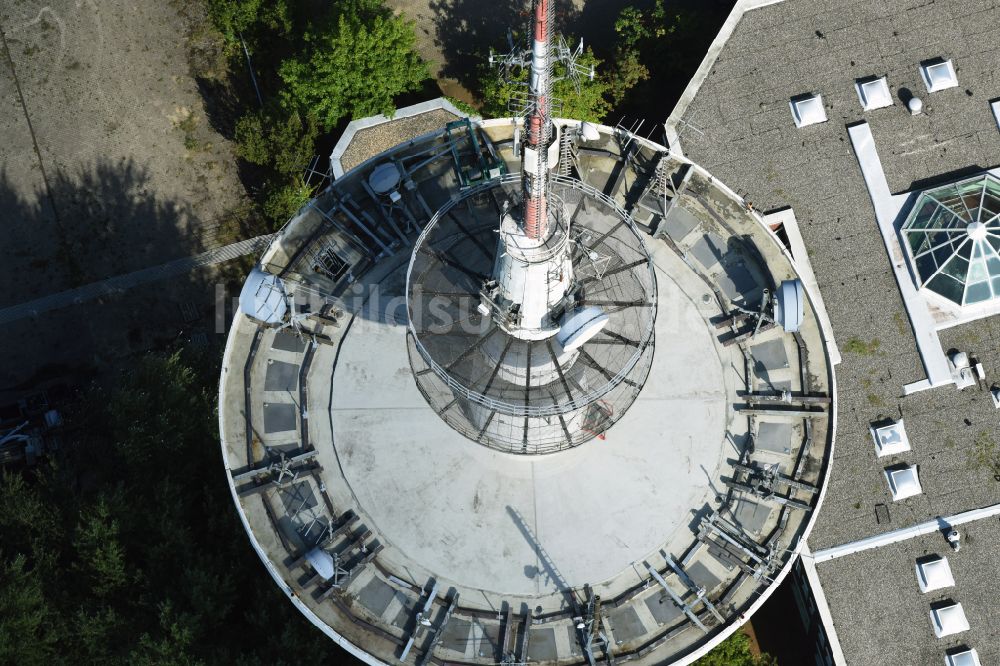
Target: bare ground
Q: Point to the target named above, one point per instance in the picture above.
(108, 164)
(108, 159)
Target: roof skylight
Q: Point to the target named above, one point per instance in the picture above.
(890, 439)
(903, 482)
(948, 620)
(953, 240)
(934, 574)
(938, 75)
(807, 110)
(874, 93)
(962, 657)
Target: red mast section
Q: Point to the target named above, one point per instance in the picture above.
(535, 175)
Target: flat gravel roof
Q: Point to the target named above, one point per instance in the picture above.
(746, 138)
(739, 127)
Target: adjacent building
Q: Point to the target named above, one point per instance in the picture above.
(868, 134)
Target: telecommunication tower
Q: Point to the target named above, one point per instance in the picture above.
(559, 345)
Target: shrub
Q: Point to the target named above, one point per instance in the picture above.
(353, 65)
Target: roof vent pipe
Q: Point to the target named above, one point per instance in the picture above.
(915, 105)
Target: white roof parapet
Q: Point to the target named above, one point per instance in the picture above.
(938, 75)
(890, 439)
(887, 209)
(903, 482)
(905, 533)
(807, 109)
(948, 620)
(934, 574)
(337, 168)
(963, 657)
(873, 93)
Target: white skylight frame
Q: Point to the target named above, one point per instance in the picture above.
(966, 657)
(890, 440)
(903, 482)
(808, 110)
(949, 620)
(873, 93)
(934, 574)
(938, 75)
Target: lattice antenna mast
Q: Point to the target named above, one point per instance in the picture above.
(536, 108)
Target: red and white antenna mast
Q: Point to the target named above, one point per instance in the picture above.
(539, 124)
(535, 107)
(533, 273)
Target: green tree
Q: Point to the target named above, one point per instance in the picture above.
(282, 142)
(28, 627)
(101, 555)
(588, 102)
(626, 73)
(353, 64)
(282, 201)
(735, 651)
(124, 548)
(657, 51)
(285, 142)
(233, 18)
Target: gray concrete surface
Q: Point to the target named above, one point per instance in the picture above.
(437, 504)
(595, 509)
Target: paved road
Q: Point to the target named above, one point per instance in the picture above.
(121, 283)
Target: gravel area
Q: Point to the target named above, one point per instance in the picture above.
(108, 165)
(373, 140)
(880, 586)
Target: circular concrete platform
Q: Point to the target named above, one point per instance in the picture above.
(530, 526)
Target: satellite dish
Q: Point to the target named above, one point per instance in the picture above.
(589, 131)
(263, 297)
(581, 326)
(384, 178)
(321, 562)
(789, 306)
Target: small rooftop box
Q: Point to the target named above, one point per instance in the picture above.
(948, 620)
(934, 574)
(890, 439)
(874, 93)
(938, 74)
(807, 109)
(962, 657)
(903, 482)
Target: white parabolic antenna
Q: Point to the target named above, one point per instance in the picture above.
(580, 327)
(589, 132)
(384, 179)
(789, 307)
(263, 297)
(321, 562)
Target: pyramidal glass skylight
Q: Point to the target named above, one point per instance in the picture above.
(953, 239)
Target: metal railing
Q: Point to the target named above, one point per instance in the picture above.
(520, 409)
